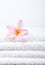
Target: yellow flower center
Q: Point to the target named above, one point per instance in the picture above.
(17, 31)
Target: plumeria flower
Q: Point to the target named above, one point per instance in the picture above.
(18, 32)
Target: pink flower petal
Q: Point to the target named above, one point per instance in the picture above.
(11, 36)
(24, 32)
(20, 24)
(18, 38)
(11, 28)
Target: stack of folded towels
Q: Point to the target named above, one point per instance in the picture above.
(29, 51)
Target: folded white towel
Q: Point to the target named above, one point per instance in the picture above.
(7, 60)
(23, 54)
(22, 46)
(35, 34)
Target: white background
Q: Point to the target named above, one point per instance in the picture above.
(32, 12)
